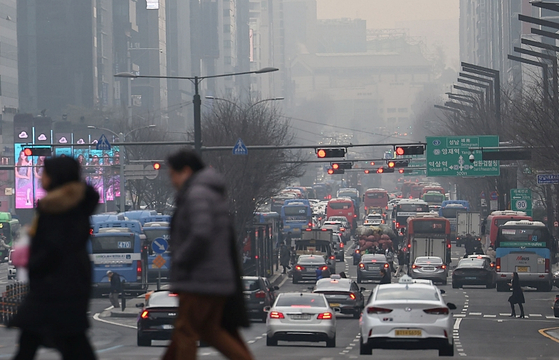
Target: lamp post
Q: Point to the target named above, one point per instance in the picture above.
(121, 138)
(196, 100)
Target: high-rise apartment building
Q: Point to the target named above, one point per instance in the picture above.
(8, 60)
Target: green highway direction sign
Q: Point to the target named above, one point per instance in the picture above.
(416, 163)
(521, 200)
(449, 156)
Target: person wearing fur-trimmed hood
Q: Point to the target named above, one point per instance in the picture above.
(54, 313)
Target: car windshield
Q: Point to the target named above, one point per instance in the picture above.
(311, 260)
(407, 292)
(251, 284)
(163, 299)
(300, 300)
(373, 257)
(428, 260)
(332, 285)
(471, 263)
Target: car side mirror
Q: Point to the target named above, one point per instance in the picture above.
(266, 309)
(276, 288)
(451, 306)
(362, 289)
(6, 258)
(443, 292)
(140, 305)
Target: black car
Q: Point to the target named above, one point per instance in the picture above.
(343, 295)
(309, 267)
(259, 293)
(369, 267)
(338, 246)
(157, 319)
(474, 271)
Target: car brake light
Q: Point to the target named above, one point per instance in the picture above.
(324, 268)
(442, 267)
(341, 245)
(398, 225)
(415, 266)
(145, 314)
(90, 231)
(342, 229)
(362, 266)
(386, 266)
(498, 265)
(260, 295)
(332, 257)
(492, 265)
(355, 215)
(173, 294)
(448, 245)
(325, 316)
(352, 296)
(437, 311)
(299, 268)
(378, 310)
(546, 265)
(276, 315)
(139, 271)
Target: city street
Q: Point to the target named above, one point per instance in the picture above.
(482, 329)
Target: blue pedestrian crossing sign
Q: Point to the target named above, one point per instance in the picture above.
(240, 148)
(103, 143)
(159, 245)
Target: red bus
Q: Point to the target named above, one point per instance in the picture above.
(406, 188)
(498, 218)
(375, 198)
(429, 235)
(342, 207)
(416, 191)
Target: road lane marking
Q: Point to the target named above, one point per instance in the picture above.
(459, 315)
(475, 314)
(96, 317)
(534, 315)
(457, 324)
(108, 349)
(504, 314)
(543, 332)
(550, 317)
(489, 316)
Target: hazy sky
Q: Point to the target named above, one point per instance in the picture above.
(432, 21)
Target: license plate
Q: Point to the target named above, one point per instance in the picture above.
(522, 268)
(300, 317)
(168, 327)
(429, 268)
(373, 267)
(470, 278)
(408, 332)
(247, 297)
(334, 305)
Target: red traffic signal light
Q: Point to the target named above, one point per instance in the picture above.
(37, 151)
(330, 153)
(330, 171)
(380, 170)
(335, 166)
(321, 153)
(366, 171)
(372, 163)
(156, 166)
(401, 171)
(410, 150)
(27, 152)
(391, 164)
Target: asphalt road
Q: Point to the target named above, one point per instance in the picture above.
(482, 330)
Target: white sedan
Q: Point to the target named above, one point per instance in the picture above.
(301, 317)
(408, 316)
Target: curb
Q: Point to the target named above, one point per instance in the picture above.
(124, 314)
(276, 279)
(551, 333)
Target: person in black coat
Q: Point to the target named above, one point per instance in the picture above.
(54, 313)
(517, 296)
(385, 277)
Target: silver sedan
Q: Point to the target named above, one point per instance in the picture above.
(430, 268)
(301, 317)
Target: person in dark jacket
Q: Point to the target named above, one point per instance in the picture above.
(385, 277)
(54, 313)
(116, 288)
(517, 296)
(205, 266)
(285, 257)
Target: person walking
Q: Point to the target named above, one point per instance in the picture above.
(389, 253)
(385, 277)
(492, 254)
(116, 288)
(517, 296)
(54, 312)
(401, 260)
(205, 265)
(285, 257)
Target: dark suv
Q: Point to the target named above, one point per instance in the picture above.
(259, 293)
(369, 267)
(343, 295)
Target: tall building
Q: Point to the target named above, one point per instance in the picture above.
(489, 30)
(8, 60)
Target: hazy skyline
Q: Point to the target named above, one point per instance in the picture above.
(434, 21)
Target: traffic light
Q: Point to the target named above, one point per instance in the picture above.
(37, 151)
(335, 172)
(385, 170)
(156, 165)
(372, 163)
(380, 170)
(341, 165)
(366, 171)
(397, 163)
(401, 171)
(410, 150)
(330, 153)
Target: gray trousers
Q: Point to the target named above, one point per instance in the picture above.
(114, 299)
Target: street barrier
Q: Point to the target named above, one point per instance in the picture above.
(11, 300)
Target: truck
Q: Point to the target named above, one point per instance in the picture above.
(467, 223)
(317, 242)
(428, 235)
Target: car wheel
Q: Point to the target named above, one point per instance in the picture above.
(447, 350)
(356, 314)
(455, 285)
(143, 340)
(331, 342)
(502, 287)
(270, 341)
(365, 349)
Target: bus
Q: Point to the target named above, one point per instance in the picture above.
(342, 207)
(156, 228)
(405, 209)
(428, 235)
(296, 216)
(528, 248)
(406, 189)
(118, 246)
(138, 214)
(322, 191)
(449, 210)
(433, 188)
(416, 191)
(434, 199)
(9, 228)
(353, 194)
(490, 226)
(375, 198)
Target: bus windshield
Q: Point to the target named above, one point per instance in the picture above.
(433, 198)
(523, 237)
(340, 205)
(450, 213)
(429, 226)
(413, 207)
(376, 195)
(112, 244)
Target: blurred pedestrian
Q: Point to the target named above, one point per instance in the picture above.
(517, 296)
(401, 260)
(492, 254)
(389, 253)
(385, 277)
(205, 267)
(54, 313)
(285, 257)
(116, 288)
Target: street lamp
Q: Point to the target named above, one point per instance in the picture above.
(196, 98)
(121, 138)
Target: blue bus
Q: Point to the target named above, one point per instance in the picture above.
(118, 246)
(138, 214)
(449, 209)
(528, 248)
(157, 227)
(296, 216)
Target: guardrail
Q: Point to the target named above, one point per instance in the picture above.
(11, 300)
